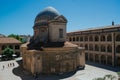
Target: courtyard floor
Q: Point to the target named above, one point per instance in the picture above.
(12, 70)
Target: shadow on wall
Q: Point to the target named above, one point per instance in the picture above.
(24, 75)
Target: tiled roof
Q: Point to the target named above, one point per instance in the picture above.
(6, 40)
(98, 28)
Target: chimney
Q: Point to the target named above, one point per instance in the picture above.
(112, 23)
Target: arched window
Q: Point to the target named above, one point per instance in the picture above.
(103, 48)
(91, 57)
(86, 56)
(96, 38)
(86, 38)
(118, 37)
(102, 38)
(96, 48)
(96, 58)
(70, 39)
(90, 38)
(109, 48)
(73, 38)
(86, 47)
(81, 38)
(91, 47)
(109, 60)
(118, 49)
(103, 59)
(109, 38)
(77, 38)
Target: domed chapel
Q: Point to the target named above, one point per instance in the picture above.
(48, 51)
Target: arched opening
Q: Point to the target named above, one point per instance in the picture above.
(81, 38)
(86, 46)
(103, 59)
(86, 56)
(118, 49)
(90, 47)
(109, 38)
(96, 38)
(118, 61)
(109, 60)
(86, 38)
(109, 48)
(97, 58)
(70, 39)
(91, 57)
(73, 38)
(77, 38)
(102, 38)
(90, 38)
(118, 37)
(96, 48)
(103, 49)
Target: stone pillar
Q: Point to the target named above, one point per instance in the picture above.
(88, 53)
(113, 49)
(100, 59)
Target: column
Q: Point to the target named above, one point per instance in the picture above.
(113, 49)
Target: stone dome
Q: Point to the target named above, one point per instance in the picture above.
(48, 13)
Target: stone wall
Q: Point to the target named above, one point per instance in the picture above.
(53, 60)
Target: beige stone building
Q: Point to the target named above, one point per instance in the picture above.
(11, 43)
(102, 45)
(48, 52)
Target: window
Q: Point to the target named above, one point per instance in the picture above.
(86, 38)
(96, 48)
(60, 33)
(70, 39)
(81, 38)
(86, 47)
(109, 48)
(96, 38)
(90, 47)
(118, 49)
(17, 47)
(73, 38)
(102, 38)
(90, 38)
(77, 38)
(3, 47)
(109, 38)
(103, 49)
(10, 46)
(118, 37)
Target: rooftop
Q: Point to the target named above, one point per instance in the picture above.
(98, 28)
(8, 40)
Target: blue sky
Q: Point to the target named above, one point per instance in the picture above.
(17, 16)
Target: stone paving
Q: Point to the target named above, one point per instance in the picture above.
(15, 72)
